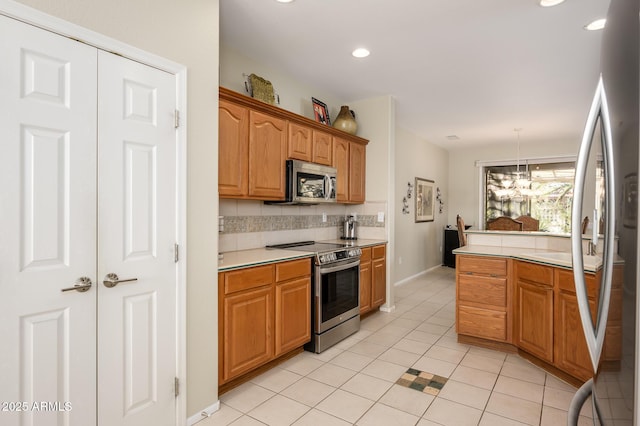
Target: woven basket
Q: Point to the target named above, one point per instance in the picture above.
(261, 89)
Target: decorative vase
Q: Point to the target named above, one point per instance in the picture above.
(346, 120)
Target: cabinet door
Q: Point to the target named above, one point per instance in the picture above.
(267, 154)
(379, 282)
(534, 318)
(299, 144)
(365, 287)
(341, 163)
(293, 314)
(357, 169)
(233, 149)
(571, 352)
(322, 148)
(247, 331)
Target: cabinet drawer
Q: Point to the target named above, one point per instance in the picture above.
(565, 281)
(378, 251)
(293, 269)
(366, 255)
(482, 265)
(535, 273)
(482, 323)
(485, 290)
(244, 279)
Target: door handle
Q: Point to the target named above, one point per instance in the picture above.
(111, 280)
(82, 284)
(594, 333)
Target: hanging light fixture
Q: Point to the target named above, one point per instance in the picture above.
(520, 187)
(521, 182)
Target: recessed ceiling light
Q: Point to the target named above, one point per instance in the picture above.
(549, 3)
(360, 52)
(598, 24)
(284, 1)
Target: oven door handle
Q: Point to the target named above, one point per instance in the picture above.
(340, 267)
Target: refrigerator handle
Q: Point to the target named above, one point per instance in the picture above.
(578, 401)
(594, 334)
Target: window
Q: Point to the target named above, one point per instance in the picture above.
(541, 190)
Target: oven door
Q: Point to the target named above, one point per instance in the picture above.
(337, 294)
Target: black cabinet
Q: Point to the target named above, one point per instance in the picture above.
(451, 243)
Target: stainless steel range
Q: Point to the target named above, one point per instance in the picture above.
(335, 304)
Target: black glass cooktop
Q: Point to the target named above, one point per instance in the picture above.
(309, 246)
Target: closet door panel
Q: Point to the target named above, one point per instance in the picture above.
(136, 237)
(47, 226)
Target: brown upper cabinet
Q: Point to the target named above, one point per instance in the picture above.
(267, 154)
(233, 152)
(349, 159)
(309, 145)
(255, 140)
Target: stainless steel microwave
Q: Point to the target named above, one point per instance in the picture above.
(308, 183)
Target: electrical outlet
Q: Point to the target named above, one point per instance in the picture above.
(324, 217)
(220, 223)
(380, 216)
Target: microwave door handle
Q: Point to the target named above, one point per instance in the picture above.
(327, 187)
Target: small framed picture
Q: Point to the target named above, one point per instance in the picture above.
(425, 200)
(321, 112)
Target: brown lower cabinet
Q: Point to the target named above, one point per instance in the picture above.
(263, 313)
(483, 297)
(373, 278)
(534, 309)
(544, 311)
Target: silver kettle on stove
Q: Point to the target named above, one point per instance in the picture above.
(350, 228)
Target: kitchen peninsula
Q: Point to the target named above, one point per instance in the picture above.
(515, 292)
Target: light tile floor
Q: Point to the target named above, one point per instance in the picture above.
(354, 381)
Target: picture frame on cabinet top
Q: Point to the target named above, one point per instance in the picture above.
(321, 112)
(425, 200)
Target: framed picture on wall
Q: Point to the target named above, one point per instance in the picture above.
(425, 200)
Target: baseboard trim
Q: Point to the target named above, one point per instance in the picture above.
(204, 414)
(412, 277)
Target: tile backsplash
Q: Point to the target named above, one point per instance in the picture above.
(252, 224)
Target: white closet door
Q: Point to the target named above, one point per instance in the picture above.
(136, 237)
(47, 227)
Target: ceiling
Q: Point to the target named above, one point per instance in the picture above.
(477, 69)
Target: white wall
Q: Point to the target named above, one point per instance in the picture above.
(187, 33)
(295, 96)
(420, 244)
(464, 180)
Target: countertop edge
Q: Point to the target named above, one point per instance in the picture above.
(529, 255)
(260, 262)
(261, 256)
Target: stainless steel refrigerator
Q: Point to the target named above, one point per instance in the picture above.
(611, 134)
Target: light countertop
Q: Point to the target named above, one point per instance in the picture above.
(548, 257)
(261, 256)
